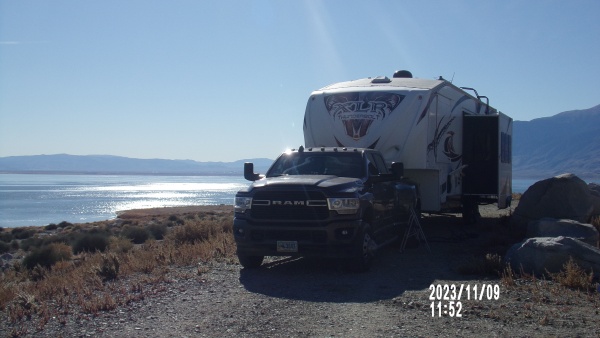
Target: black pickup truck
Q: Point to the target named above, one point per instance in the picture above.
(324, 202)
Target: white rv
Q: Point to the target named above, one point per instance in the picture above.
(452, 143)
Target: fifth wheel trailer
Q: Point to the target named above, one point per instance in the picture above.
(452, 143)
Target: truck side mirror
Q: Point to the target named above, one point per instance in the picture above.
(249, 172)
(398, 169)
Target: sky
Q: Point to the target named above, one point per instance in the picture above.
(229, 80)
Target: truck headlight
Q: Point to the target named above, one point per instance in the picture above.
(242, 204)
(343, 205)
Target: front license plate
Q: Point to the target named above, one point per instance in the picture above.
(287, 246)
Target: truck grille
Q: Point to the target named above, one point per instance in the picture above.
(290, 205)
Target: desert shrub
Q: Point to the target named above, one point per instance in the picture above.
(227, 225)
(158, 231)
(31, 243)
(7, 294)
(120, 244)
(24, 305)
(51, 226)
(508, 276)
(47, 255)
(6, 236)
(575, 277)
(175, 219)
(109, 267)
(64, 224)
(4, 247)
(90, 243)
(97, 230)
(22, 233)
(194, 232)
(136, 234)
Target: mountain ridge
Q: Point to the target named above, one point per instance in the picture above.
(111, 164)
(568, 142)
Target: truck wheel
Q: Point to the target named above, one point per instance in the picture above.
(365, 251)
(250, 262)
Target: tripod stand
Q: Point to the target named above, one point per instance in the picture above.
(414, 230)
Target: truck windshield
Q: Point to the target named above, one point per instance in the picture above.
(337, 164)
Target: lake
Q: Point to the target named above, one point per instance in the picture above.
(28, 199)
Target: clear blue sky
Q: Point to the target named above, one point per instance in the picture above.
(229, 80)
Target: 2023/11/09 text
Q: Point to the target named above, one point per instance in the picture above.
(453, 292)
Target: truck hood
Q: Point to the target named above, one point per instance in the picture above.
(321, 181)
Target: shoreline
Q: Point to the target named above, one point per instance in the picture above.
(165, 211)
(141, 213)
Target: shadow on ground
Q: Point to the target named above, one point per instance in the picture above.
(393, 273)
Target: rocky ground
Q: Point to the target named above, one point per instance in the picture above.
(316, 298)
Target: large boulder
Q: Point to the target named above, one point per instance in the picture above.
(549, 254)
(561, 197)
(550, 227)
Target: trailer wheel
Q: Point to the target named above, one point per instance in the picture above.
(364, 251)
(250, 262)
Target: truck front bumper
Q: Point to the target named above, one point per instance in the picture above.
(333, 240)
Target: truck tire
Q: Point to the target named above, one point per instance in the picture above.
(250, 262)
(364, 251)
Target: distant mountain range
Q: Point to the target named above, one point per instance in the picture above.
(568, 142)
(106, 164)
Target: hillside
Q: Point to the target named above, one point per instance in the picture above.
(105, 164)
(566, 142)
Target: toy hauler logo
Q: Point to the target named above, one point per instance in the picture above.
(357, 111)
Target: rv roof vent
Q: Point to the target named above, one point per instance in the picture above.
(403, 74)
(381, 79)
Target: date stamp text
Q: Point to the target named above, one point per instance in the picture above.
(446, 299)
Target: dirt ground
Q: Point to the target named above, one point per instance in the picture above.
(319, 298)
